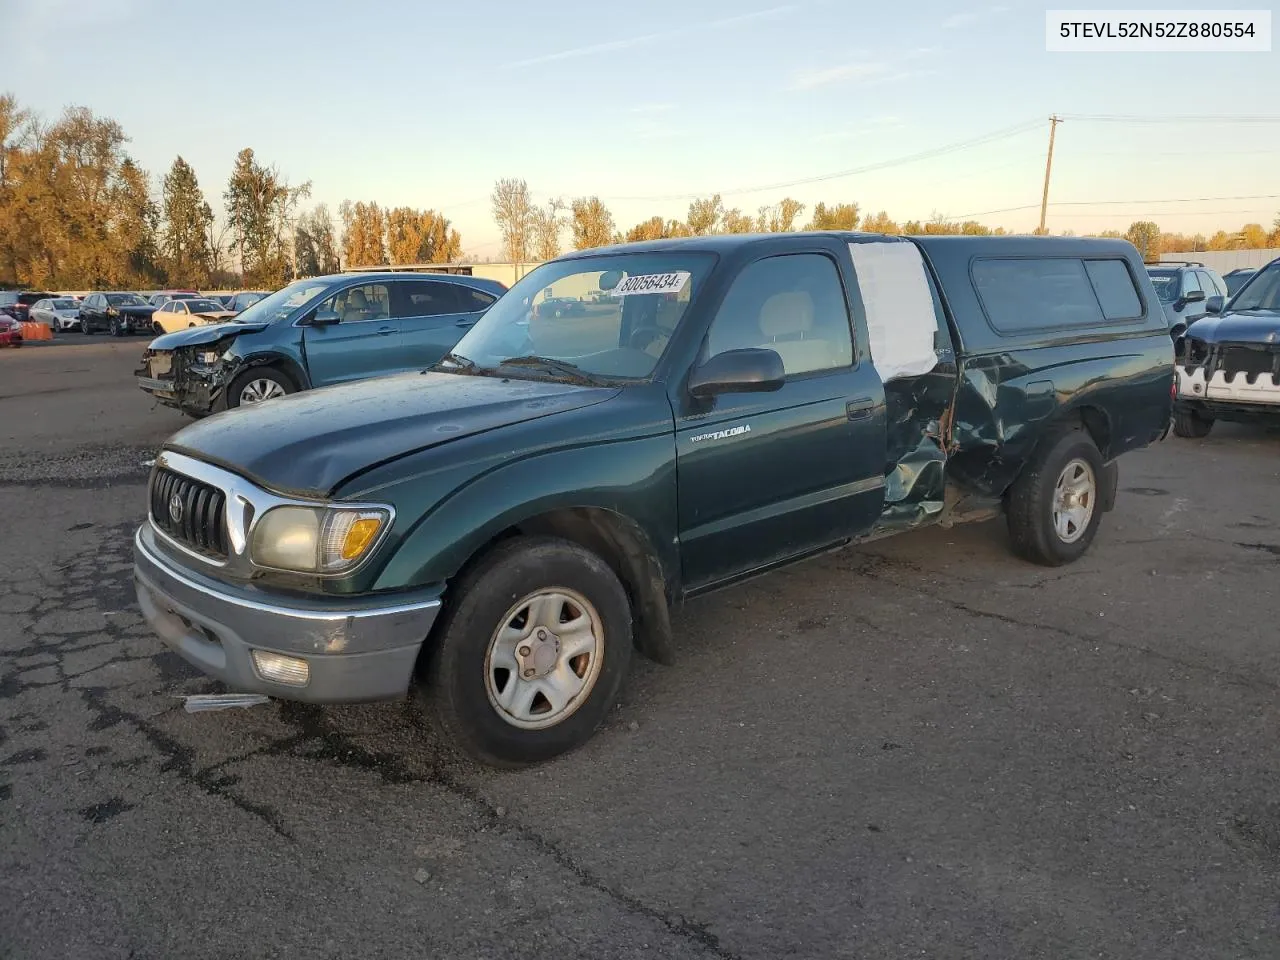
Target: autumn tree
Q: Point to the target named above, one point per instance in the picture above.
(513, 212)
(187, 222)
(591, 223)
(1253, 236)
(705, 215)
(315, 243)
(735, 221)
(879, 223)
(364, 232)
(1145, 235)
(260, 208)
(779, 218)
(840, 216)
(547, 224)
(134, 226)
(652, 229)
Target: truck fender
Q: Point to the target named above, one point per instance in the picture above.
(612, 498)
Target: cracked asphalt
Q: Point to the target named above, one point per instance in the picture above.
(922, 747)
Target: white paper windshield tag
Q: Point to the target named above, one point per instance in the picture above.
(652, 283)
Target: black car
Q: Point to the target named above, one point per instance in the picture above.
(1237, 278)
(17, 303)
(1183, 286)
(117, 313)
(1228, 364)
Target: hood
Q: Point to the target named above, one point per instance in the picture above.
(308, 443)
(136, 311)
(194, 336)
(216, 315)
(1247, 326)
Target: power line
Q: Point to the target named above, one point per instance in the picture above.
(1183, 118)
(1098, 203)
(880, 165)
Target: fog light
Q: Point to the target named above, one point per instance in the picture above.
(274, 666)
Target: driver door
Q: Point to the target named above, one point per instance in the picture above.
(365, 342)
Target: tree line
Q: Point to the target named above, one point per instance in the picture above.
(534, 233)
(77, 212)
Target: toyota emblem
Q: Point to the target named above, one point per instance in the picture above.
(175, 508)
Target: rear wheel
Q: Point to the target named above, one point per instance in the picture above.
(258, 385)
(1054, 506)
(531, 654)
(1191, 424)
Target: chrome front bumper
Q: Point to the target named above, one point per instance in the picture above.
(356, 649)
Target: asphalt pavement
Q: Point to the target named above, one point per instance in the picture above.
(919, 748)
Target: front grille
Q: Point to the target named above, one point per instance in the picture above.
(1248, 361)
(201, 522)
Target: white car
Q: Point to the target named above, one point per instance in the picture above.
(59, 313)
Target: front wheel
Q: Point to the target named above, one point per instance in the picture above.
(113, 327)
(1054, 506)
(85, 328)
(1191, 424)
(531, 654)
(256, 385)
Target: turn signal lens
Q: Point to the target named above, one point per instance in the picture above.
(348, 535)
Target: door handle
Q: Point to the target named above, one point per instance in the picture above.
(385, 331)
(860, 408)
(465, 323)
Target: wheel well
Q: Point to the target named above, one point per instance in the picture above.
(1098, 427)
(280, 364)
(621, 543)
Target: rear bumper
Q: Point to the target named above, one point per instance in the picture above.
(356, 649)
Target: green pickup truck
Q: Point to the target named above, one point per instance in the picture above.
(500, 531)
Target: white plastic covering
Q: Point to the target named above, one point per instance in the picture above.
(900, 317)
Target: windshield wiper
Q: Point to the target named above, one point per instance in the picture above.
(458, 360)
(564, 368)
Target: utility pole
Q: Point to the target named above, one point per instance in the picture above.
(1048, 166)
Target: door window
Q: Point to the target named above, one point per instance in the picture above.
(369, 301)
(792, 304)
(426, 298)
(1189, 282)
(472, 300)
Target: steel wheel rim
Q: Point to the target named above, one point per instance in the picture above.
(256, 391)
(544, 658)
(1074, 498)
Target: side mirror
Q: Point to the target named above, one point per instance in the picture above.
(750, 370)
(1195, 296)
(1214, 304)
(324, 318)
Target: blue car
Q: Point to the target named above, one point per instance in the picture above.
(314, 333)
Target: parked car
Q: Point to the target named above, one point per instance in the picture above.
(1235, 279)
(17, 303)
(117, 313)
(59, 313)
(1183, 287)
(560, 307)
(312, 333)
(1228, 364)
(161, 297)
(10, 331)
(508, 525)
(239, 302)
(183, 314)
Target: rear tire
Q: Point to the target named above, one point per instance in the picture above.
(1061, 484)
(1191, 424)
(462, 670)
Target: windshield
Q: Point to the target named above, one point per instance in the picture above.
(125, 300)
(65, 304)
(1262, 291)
(609, 316)
(8, 298)
(1235, 281)
(1166, 284)
(242, 300)
(200, 306)
(282, 303)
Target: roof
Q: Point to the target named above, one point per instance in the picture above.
(480, 283)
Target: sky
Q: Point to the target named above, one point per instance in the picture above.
(426, 104)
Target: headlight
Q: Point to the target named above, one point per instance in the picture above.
(209, 356)
(112, 312)
(316, 539)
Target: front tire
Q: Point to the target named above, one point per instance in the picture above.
(531, 653)
(1191, 424)
(1054, 507)
(258, 385)
(113, 327)
(85, 327)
